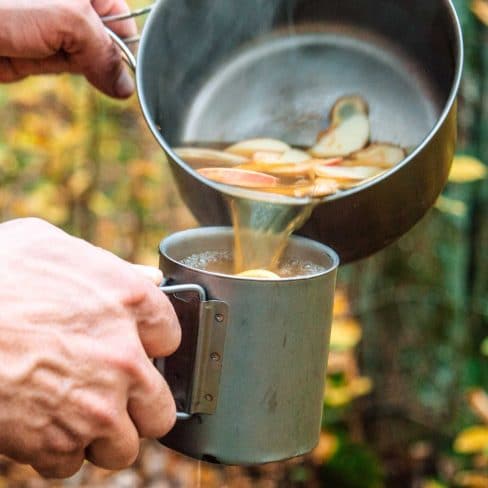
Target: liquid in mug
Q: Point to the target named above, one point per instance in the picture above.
(222, 262)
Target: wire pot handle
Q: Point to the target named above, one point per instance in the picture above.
(128, 56)
(124, 16)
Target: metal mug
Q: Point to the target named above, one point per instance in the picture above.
(249, 375)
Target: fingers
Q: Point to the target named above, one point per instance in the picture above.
(96, 56)
(119, 448)
(15, 69)
(67, 36)
(59, 465)
(151, 405)
(104, 8)
(153, 274)
(157, 323)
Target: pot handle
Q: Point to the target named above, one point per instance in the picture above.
(122, 43)
(193, 371)
(129, 57)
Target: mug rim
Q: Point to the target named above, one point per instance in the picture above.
(227, 230)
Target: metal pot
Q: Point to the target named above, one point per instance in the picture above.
(222, 70)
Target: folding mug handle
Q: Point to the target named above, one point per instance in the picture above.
(193, 371)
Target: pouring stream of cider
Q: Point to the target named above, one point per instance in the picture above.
(261, 231)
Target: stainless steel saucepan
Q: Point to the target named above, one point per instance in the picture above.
(224, 70)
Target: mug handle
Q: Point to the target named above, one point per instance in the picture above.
(204, 329)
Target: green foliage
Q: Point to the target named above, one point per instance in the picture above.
(353, 466)
(484, 347)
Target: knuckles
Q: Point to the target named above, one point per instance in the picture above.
(103, 416)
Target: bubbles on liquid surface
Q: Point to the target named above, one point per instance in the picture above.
(291, 267)
(220, 261)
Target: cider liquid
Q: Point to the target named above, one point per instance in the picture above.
(261, 231)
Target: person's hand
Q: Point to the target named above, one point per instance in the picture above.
(54, 36)
(77, 328)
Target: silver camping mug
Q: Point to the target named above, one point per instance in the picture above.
(249, 376)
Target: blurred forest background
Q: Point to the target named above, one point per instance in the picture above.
(407, 400)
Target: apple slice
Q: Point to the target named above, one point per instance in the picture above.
(291, 156)
(285, 170)
(295, 156)
(351, 135)
(250, 146)
(346, 107)
(347, 173)
(239, 177)
(202, 155)
(321, 187)
(380, 155)
(261, 274)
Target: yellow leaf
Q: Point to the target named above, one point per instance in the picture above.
(360, 386)
(337, 396)
(451, 206)
(345, 334)
(466, 169)
(480, 9)
(478, 401)
(433, 484)
(79, 182)
(471, 440)
(326, 448)
(101, 205)
(341, 303)
(143, 168)
(471, 479)
(45, 201)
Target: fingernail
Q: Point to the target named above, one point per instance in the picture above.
(124, 86)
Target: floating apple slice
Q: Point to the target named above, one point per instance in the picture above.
(381, 155)
(208, 156)
(285, 170)
(326, 162)
(248, 147)
(320, 187)
(296, 190)
(267, 157)
(291, 156)
(262, 274)
(347, 173)
(349, 136)
(239, 177)
(295, 156)
(346, 107)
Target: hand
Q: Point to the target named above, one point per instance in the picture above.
(77, 325)
(54, 36)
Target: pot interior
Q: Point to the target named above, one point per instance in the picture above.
(221, 71)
